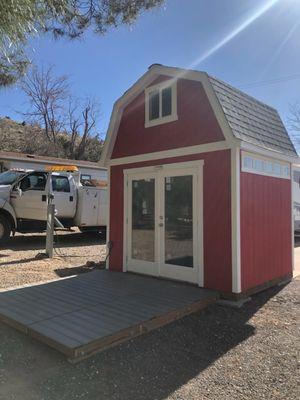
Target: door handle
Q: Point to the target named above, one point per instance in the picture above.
(71, 198)
(160, 224)
(44, 197)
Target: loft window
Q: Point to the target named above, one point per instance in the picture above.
(256, 164)
(153, 105)
(161, 104)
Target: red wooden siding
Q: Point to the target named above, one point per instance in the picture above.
(216, 210)
(196, 124)
(266, 244)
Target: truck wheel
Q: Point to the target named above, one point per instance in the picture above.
(5, 229)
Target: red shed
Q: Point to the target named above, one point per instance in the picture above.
(200, 184)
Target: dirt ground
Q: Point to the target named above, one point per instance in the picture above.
(220, 353)
(18, 265)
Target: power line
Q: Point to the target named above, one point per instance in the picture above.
(271, 81)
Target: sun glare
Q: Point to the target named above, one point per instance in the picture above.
(257, 13)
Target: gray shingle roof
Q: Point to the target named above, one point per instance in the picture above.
(252, 121)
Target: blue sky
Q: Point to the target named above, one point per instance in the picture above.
(239, 41)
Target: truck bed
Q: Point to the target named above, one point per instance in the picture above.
(92, 207)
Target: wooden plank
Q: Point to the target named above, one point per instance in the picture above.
(68, 332)
(95, 314)
(105, 343)
(66, 295)
(14, 321)
(43, 302)
(27, 311)
(53, 342)
(92, 312)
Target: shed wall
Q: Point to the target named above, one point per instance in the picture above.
(266, 242)
(216, 218)
(196, 123)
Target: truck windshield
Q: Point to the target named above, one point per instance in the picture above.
(10, 177)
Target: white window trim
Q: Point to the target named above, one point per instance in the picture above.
(169, 118)
(273, 174)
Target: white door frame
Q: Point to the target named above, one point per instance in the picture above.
(148, 268)
(159, 172)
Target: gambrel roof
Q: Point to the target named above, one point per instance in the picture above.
(243, 119)
(251, 120)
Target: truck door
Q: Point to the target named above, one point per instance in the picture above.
(29, 197)
(65, 195)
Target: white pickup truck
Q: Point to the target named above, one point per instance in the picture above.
(23, 204)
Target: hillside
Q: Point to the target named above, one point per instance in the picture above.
(30, 139)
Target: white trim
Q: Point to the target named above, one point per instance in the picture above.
(182, 151)
(293, 218)
(108, 213)
(158, 172)
(159, 87)
(235, 221)
(125, 222)
(264, 160)
(154, 168)
(200, 229)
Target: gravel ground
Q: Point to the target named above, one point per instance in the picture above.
(18, 265)
(219, 353)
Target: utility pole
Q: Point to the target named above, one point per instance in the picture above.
(50, 220)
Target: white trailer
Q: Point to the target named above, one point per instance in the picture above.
(296, 198)
(23, 205)
(14, 160)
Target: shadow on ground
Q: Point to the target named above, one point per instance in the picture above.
(150, 367)
(37, 242)
(89, 266)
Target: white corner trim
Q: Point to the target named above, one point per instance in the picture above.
(125, 222)
(178, 152)
(292, 217)
(235, 221)
(108, 214)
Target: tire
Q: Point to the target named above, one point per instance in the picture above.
(5, 229)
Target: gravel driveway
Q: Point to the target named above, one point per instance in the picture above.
(220, 353)
(18, 265)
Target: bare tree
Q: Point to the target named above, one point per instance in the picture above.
(82, 119)
(90, 114)
(47, 95)
(74, 124)
(294, 123)
(68, 123)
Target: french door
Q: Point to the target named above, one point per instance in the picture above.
(163, 221)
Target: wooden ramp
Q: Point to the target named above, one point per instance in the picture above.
(82, 315)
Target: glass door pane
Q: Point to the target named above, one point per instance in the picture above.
(179, 221)
(143, 220)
